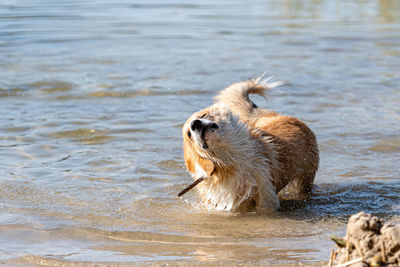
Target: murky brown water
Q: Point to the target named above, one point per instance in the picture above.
(93, 96)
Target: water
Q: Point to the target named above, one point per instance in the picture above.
(93, 96)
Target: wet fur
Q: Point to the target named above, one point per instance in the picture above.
(253, 155)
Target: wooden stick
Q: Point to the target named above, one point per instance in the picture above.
(383, 251)
(184, 191)
(348, 251)
(330, 264)
(356, 244)
(350, 262)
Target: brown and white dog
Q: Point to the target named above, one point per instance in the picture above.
(247, 154)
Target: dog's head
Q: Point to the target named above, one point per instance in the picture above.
(213, 133)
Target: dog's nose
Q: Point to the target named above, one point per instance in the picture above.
(200, 124)
(196, 125)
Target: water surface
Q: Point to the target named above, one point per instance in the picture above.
(93, 96)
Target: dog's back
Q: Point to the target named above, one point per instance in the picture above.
(296, 146)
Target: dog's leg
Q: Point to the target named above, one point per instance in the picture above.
(301, 186)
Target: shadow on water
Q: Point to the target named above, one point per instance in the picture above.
(342, 200)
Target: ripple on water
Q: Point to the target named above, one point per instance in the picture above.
(50, 87)
(132, 130)
(387, 145)
(47, 87)
(16, 129)
(171, 164)
(128, 94)
(83, 135)
(143, 92)
(342, 200)
(12, 92)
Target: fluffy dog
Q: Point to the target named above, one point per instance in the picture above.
(246, 154)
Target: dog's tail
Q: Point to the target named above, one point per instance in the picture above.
(236, 96)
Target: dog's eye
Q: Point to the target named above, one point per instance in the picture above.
(207, 116)
(214, 126)
(189, 134)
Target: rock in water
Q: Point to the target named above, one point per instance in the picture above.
(369, 242)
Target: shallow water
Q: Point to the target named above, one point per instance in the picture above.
(93, 96)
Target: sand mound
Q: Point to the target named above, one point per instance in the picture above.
(368, 242)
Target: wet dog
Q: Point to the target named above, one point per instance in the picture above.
(245, 155)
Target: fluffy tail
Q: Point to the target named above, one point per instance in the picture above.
(236, 96)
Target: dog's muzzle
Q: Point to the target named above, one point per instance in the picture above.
(200, 127)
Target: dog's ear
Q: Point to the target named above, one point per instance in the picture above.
(207, 165)
(189, 160)
(192, 159)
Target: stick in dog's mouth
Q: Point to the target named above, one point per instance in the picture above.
(184, 191)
